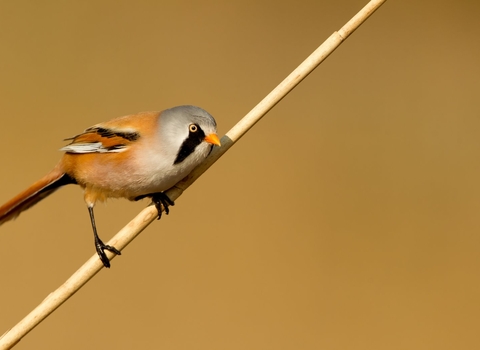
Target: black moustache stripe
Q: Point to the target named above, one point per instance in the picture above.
(188, 146)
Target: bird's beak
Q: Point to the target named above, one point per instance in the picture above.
(213, 139)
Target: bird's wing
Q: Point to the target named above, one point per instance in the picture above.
(100, 139)
(115, 135)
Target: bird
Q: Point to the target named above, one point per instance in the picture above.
(135, 156)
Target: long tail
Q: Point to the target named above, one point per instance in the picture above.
(34, 194)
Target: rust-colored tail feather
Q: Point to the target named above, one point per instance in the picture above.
(35, 193)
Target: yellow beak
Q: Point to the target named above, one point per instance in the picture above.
(213, 139)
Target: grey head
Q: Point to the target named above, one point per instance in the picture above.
(189, 132)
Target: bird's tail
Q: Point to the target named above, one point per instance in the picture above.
(35, 193)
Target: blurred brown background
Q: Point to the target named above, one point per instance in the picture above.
(347, 219)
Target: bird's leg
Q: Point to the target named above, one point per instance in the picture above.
(99, 245)
(159, 199)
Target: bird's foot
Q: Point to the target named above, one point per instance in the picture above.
(101, 247)
(161, 199)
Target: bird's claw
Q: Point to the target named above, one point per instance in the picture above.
(101, 247)
(161, 199)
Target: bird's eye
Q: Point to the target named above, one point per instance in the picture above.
(193, 128)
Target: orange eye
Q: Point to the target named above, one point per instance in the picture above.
(193, 128)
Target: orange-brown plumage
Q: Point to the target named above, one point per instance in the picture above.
(32, 195)
(135, 156)
(112, 174)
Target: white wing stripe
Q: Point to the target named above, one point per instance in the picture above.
(92, 147)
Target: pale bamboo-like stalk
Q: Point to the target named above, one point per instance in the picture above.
(149, 214)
